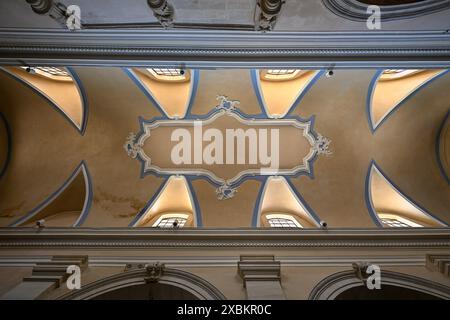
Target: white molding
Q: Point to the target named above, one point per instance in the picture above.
(243, 49)
(123, 238)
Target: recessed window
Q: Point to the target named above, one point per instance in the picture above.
(170, 221)
(282, 221)
(391, 74)
(394, 221)
(49, 72)
(166, 72)
(278, 72)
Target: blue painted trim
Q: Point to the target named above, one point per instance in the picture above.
(53, 104)
(303, 202)
(254, 74)
(305, 90)
(438, 147)
(256, 209)
(149, 203)
(404, 100)
(369, 97)
(369, 201)
(368, 197)
(195, 76)
(82, 167)
(146, 92)
(9, 145)
(198, 214)
(255, 216)
(90, 195)
(84, 99)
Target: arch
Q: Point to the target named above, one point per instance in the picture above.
(384, 197)
(278, 195)
(157, 92)
(8, 144)
(442, 147)
(357, 11)
(164, 202)
(337, 283)
(79, 177)
(388, 92)
(76, 112)
(278, 98)
(195, 285)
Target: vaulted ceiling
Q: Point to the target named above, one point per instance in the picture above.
(64, 158)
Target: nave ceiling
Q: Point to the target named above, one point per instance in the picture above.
(75, 172)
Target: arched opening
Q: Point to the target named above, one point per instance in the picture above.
(346, 285)
(148, 291)
(146, 283)
(386, 292)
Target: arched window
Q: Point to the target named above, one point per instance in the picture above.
(168, 221)
(166, 74)
(281, 74)
(395, 221)
(50, 72)
(282, 221)
(280, 90)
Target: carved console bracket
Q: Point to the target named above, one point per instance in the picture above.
(163, 11)
(266, 14)
(154, 271)
(55, 10)
(439, 263)
(261, 276)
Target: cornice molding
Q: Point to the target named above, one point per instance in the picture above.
(196, 49)
(224, 238)
(209, 261)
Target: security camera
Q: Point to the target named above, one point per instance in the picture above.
(323, 224)
(175, 224)
(182, 71)
(329, 73)
(40, 223)
(30, 69)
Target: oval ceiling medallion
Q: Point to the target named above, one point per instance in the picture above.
(227, 146)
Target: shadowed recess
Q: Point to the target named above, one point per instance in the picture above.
(391, 207)
(279, 201)
(171, 91)
(66, 207)
(281, 90)
(174, 199)
(60, 87)
(391, 87)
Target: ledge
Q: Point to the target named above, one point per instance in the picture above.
(145, 238)
(244, 49)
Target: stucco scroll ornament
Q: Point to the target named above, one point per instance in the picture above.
(360, 269)
(131, 146)
(227, 104)
(322, 145)
(154, 272)
(225, 192)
